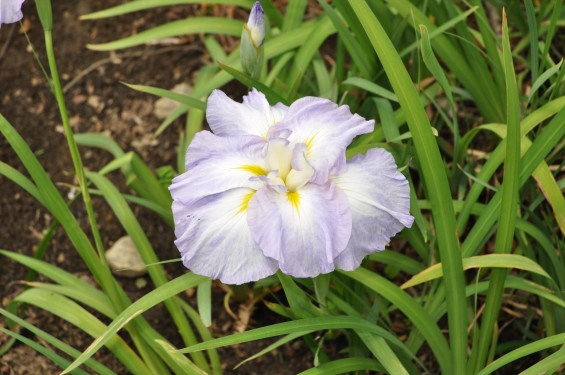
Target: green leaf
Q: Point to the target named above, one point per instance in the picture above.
(415, 313)
(548, 365)
(294, 13)
(362, 60)
(139, 238)
(181, 98)
(482, 261)
(299, 302)
(139, 5)
(384, 354)
(146, 302)
(543, 78)
(210, 25)
(204, 302)
(509, 205)
(435, 180)
(371, 87)
(303, 326)
(343, 366)
(22, 181)
(271, 94)
(78, 316)
(65, 348)
(523, 351)
(55, 358)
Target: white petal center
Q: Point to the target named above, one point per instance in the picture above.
(289, 164)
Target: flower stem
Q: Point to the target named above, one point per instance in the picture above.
(77, 161)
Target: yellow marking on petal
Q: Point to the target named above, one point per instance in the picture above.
(309, 144)
(245, 202)
(253, 169)
(293, 198)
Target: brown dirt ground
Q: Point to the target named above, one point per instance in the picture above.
(98, 103)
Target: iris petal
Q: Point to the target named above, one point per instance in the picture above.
(217, 164)
(252, 117)
(10, 11)
(379, 197)
(327, 129)
(303, 230)
(214, 239)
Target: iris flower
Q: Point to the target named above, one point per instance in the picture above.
(271, 189)
(10, 11)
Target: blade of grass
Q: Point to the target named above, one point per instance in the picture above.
(146, 302)
(365, 65)
(22, 181)
(208, 25)
(548, 365)
(409, 307)
(482, 261)
(133, 228)
(204, 334)
(65, 348)
(304, 326)
(435, 178)
(435, 68)
(496, 157)
(99, 140)
(370, 87)
(271, 94)
(483, 92)
(324, 28)
(543, 144)
(294, 13)
(181, 98)
(55, 358)
(78, 316)
(280, 342)
(533, 33)
(183, 365)
(384, 354)
(509, 205)
(523, 351)
(139, 5)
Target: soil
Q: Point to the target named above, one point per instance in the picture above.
(97, 102)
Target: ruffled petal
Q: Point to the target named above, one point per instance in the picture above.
(10, 11)
(214, 239)
(252, 117)
(379, 197)
(217, 164)
(327, 129)
(304, 230)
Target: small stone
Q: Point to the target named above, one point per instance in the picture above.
(140, 283)
(165, 106)
(124, 259)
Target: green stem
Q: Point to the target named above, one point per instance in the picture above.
(101, 271)
(73, 148)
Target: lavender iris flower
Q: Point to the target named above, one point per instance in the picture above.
(10, 11)
(271, 188)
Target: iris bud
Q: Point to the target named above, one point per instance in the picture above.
(252, 38)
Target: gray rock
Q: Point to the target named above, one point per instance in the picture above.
(124, 259)
(164, 106)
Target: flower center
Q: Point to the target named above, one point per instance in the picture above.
(292, 168)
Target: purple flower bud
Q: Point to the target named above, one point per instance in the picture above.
(256, 24)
